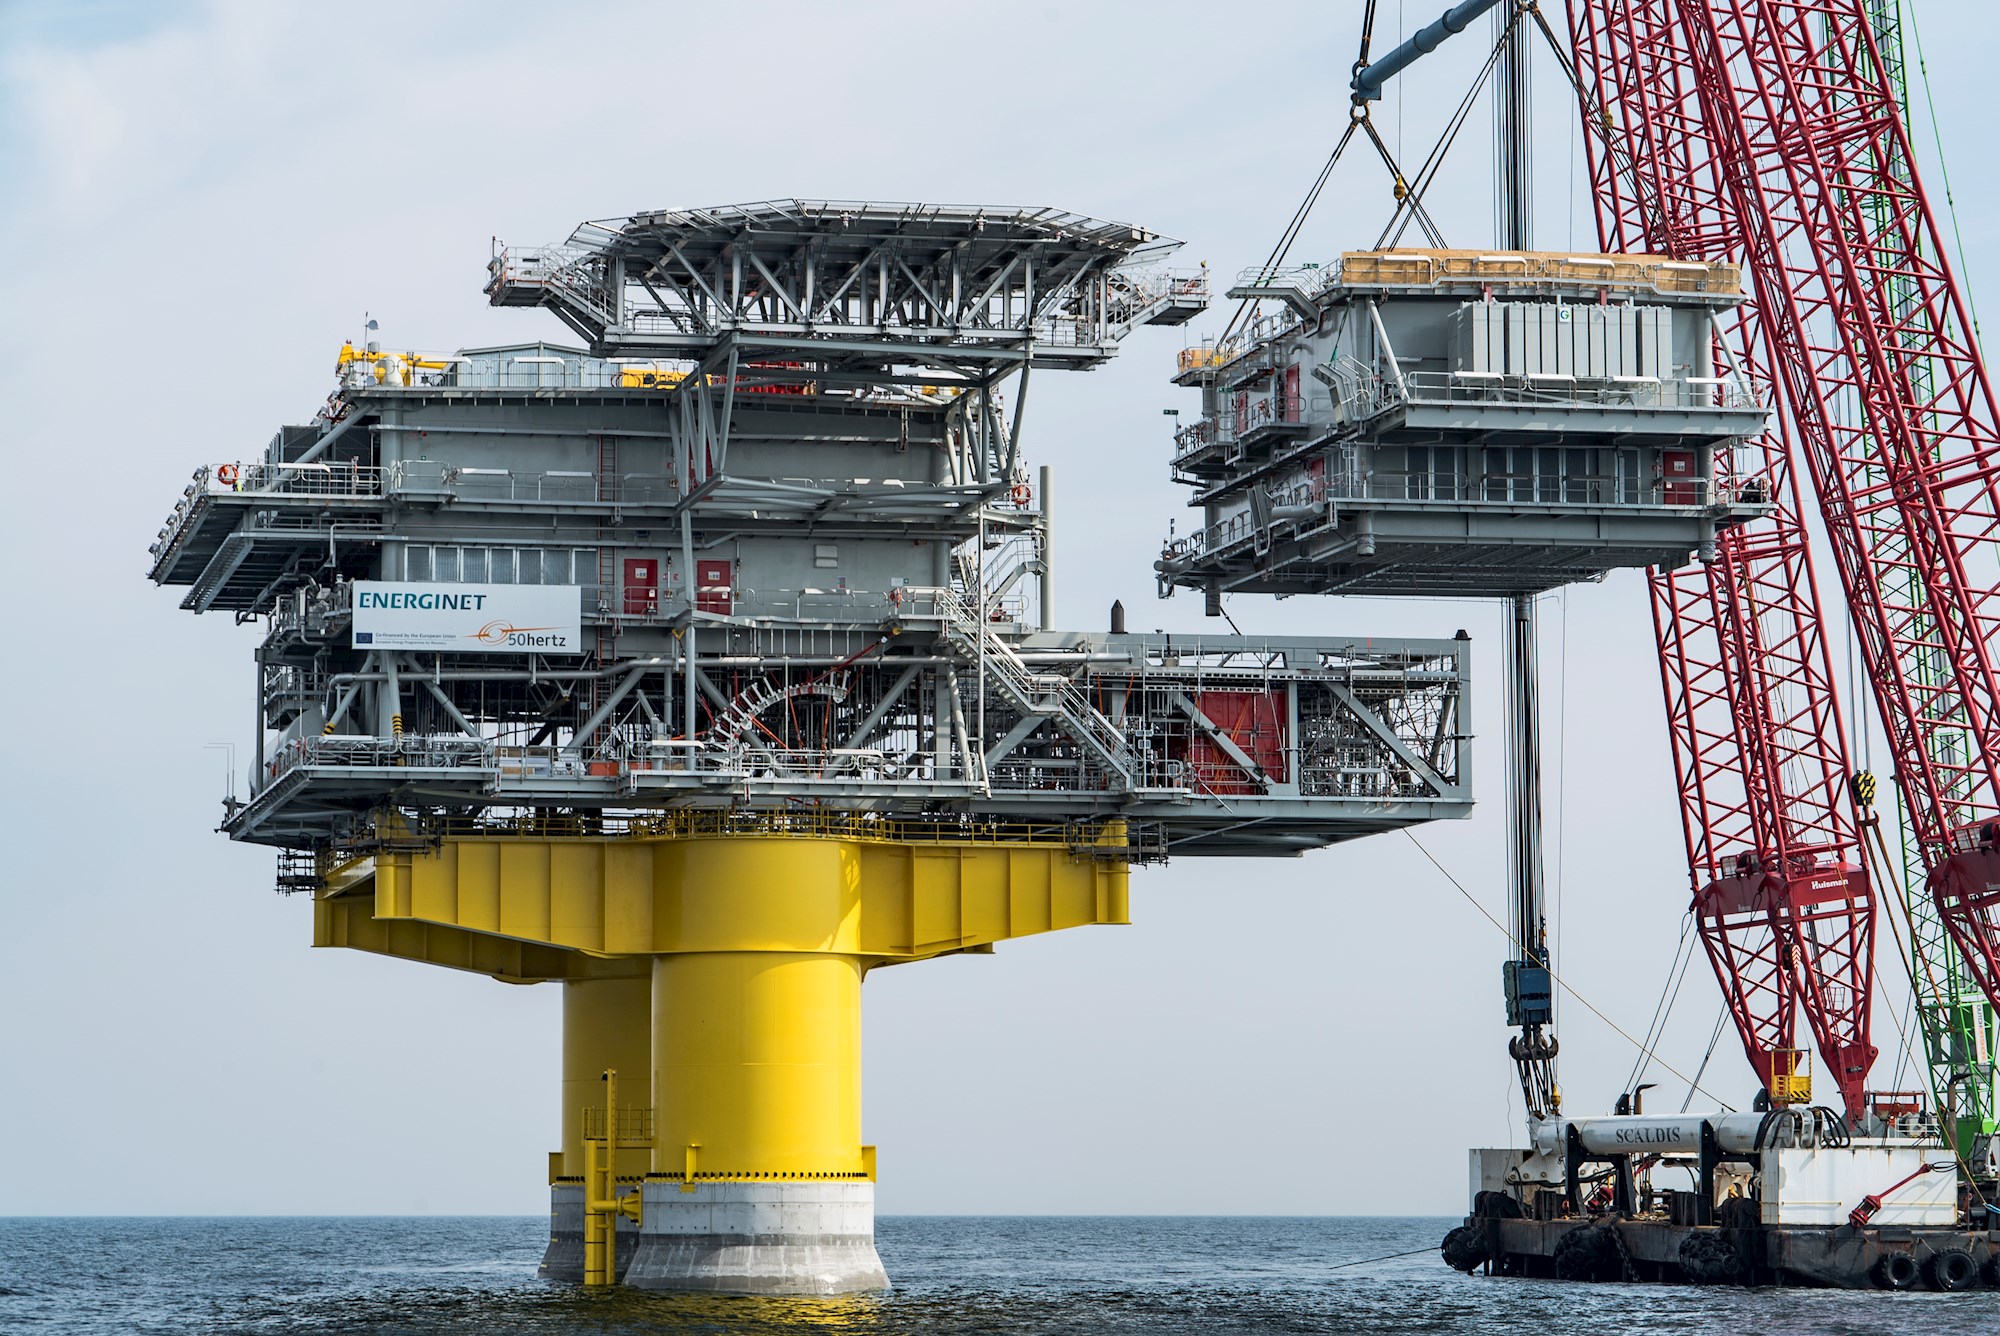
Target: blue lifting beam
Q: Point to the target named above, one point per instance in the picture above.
(1369, 80)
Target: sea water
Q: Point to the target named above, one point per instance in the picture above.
(954, 1276)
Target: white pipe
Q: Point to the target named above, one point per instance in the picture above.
(1653, 1134)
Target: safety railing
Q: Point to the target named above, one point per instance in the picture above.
(475, 484)
(1285, 409)
(1137, 295)
(1311, 279)
(1196, 437)
(1529, 488)
(523, 370)
(1033, 692)
(532, 269)
(1365, 397)
(1254, 414)
(321, 481)
(635, 1122)
(740, 760)
(277, 479)
(293, 687)
(1427, 269)
(1204, 356)
(431, 752)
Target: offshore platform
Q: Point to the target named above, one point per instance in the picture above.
(705, 664)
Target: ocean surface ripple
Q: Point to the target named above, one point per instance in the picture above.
(955, 1276)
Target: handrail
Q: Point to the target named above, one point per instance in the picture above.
(1057, 693)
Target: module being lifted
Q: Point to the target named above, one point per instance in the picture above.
(708, 665)
(1445, 422)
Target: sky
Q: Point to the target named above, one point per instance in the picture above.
(205, 198)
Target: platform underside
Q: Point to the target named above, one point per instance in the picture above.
(1329, 563)
(1651, 1249)
(1469, 550)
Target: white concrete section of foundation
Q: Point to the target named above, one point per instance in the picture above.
(810, 1237)
(563, 1260)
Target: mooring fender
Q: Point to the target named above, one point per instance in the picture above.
(1465, 1248)
(1951, 1269)
(1709, 1259)
(1584, 1253)
(1894, 1271)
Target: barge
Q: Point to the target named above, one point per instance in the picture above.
(1787, 1196)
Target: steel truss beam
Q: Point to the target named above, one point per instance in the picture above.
(838, 283)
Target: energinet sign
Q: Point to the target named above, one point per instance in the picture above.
(469, 618)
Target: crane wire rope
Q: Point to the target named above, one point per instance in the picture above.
(1944, 171)
(1670, 991)
(1409, 197)
(1714, 1038)
(1562, 767)
(1291, 232)
(1565, 983)
(1358, 119)
(1412, 200)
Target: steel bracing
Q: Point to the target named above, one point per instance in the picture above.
(1782, 896)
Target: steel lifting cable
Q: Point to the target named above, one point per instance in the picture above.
(1412, 198)
(1409, 205)
(1412, 201)
(1714, 1038)
(1357, 116)
(1670, 992)
(1291, 233)
(1944, 170)
(1565, 983)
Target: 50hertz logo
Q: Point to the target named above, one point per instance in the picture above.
(504, 633)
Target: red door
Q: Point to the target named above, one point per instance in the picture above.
(711, 587)
(1289, 410)
(1677, 471)
(642, 587)
(1255, 722)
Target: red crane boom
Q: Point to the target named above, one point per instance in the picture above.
(1895, 413)
(1782, 897)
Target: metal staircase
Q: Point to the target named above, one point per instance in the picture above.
(1049, 695)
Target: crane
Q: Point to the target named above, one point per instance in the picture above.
(1775, 131)
(1783, 899)
(1782, 894)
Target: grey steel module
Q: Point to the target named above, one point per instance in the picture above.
(1451, 423)
(811, 563)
